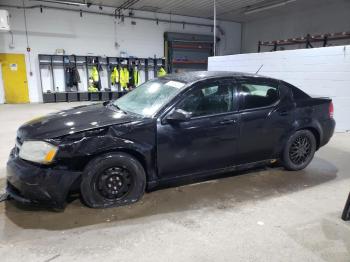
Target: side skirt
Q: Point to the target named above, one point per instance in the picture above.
(203, 175)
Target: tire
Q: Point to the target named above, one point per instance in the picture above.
(112, 180)
(299, 150)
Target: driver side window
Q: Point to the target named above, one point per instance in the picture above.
(209, 99)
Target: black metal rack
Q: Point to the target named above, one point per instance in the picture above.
(56, 94)
(308, 41)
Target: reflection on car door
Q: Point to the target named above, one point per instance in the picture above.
(208, 140)
(266, 113)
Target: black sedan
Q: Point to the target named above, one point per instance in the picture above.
(190, 125)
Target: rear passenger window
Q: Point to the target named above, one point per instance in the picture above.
(297, 93)
(255, 95)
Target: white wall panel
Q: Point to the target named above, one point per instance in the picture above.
(318, 71)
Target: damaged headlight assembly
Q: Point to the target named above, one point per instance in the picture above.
(38, 151)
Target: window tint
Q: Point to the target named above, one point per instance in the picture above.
(208, 100)
(254, 95)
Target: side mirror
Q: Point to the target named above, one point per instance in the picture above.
(178, 115)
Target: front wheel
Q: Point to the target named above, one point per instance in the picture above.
(299, 150)
(111, 180)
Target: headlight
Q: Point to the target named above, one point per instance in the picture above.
(38, 151)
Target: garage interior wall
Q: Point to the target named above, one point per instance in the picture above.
(321, 72)
(327, 17)
(93, 34)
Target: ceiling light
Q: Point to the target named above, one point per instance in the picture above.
(267, 7)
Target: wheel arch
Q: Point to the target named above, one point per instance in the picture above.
(316, 131)
(134, 153)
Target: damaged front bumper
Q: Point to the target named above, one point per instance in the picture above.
(38, 185)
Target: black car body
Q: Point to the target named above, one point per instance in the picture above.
(239, 123)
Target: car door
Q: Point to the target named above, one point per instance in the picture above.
(208, 139)
(266, 115)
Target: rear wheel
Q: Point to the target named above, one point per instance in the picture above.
(113, 180)
(299, 150)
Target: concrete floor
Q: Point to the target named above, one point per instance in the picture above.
(264, 215)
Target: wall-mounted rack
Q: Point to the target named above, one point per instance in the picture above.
(306, 41)
(60, 92)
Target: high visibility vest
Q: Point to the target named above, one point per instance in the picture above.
(124, 78)
(161, 72)
(114, 76)
(94, 74)
(92, 87)
(137, 77)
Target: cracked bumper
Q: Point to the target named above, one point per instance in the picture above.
(39, 185)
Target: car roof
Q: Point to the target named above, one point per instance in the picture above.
(194, 76)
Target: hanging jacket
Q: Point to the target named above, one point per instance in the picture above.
(94, 74)
(92, 87)
(161, 72)
(68, 77)
(72, 77)
(115, 76)
(135, 77)
(124, 78)
(75, 76)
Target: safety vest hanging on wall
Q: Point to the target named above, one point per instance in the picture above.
(94, 74)
(124, 78)
(161, 72)
(115, 76)
(136, 77)
(92, 87)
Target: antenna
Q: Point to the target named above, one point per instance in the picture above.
(259, 69)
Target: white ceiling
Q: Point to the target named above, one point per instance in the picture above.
(231, 10)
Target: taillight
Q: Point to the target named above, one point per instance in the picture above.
(331, 110)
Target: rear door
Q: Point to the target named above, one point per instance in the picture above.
(208, 140)
(266, 115)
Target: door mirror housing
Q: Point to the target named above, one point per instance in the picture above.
(178, 115)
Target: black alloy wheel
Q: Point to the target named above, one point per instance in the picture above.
(299, 150)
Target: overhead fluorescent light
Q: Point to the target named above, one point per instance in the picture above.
(63, 2)
(267, 7)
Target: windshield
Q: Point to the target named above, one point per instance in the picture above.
(149, 97)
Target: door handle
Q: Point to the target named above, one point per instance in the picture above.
(228, 121)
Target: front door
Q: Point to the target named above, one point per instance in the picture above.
(207, 140)
(266, 112)
(14, 78)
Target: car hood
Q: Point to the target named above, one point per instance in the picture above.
(74, 120)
